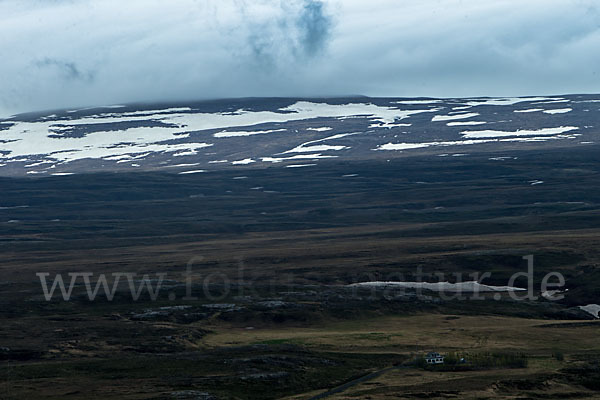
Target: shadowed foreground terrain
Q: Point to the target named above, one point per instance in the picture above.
(271, 252)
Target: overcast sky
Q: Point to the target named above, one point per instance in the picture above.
(67, 53)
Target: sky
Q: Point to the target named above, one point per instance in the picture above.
(72, 53)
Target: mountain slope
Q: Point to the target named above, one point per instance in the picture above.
(204, 136)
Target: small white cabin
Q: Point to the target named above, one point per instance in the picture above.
(434, 358)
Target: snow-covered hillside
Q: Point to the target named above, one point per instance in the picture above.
(197, 137)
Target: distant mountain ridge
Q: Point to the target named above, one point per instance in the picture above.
(196, 137)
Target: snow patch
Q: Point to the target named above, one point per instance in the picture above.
(311, 149)
(388, 125)
(593, 309)
(502, 158)
(245, 161)
(296, 157)
(322, 129)
(408, 146)
(507, 101)
(303, 148)
(473, 286)
(453, 117)
(524, 132)
(466, 123)
(529, 110)
(417, 102)
(558, 111)
(225, 134)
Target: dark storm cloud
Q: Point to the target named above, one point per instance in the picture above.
(64, 53)
(300, 31)
(315, 26)
(66, 69)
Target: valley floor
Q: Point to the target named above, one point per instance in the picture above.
(274, 316)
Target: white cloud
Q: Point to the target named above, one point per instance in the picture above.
(75, 53)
